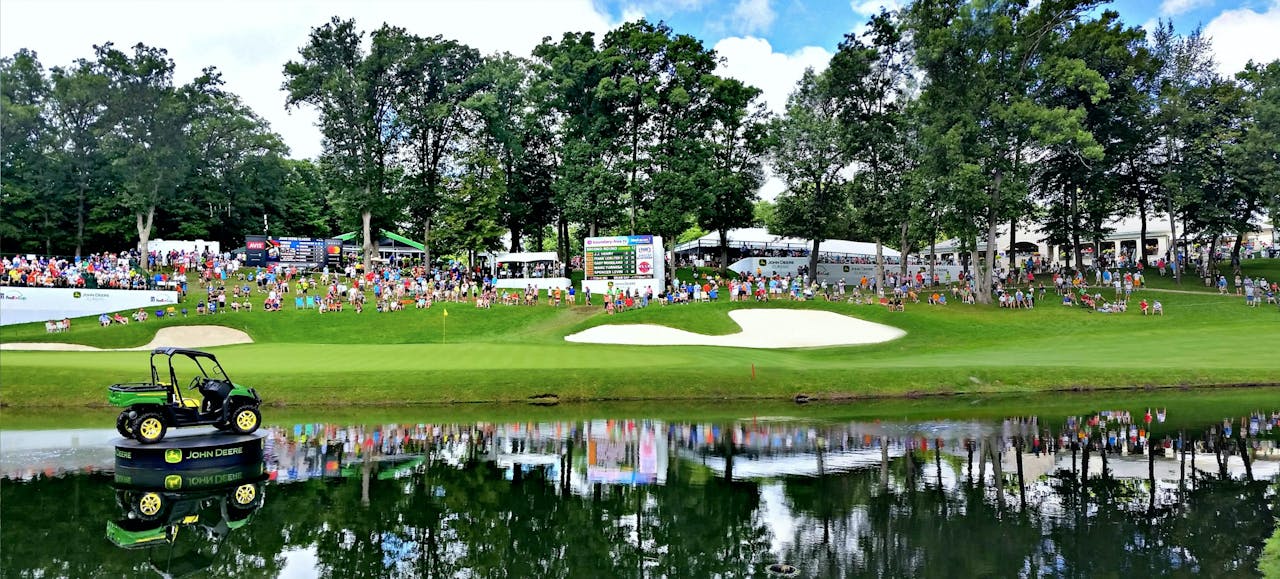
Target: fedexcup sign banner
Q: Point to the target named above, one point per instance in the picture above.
(19, 305)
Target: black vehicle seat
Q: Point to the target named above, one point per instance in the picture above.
(215, 393)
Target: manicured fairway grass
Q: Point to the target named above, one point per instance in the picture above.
(512, 353)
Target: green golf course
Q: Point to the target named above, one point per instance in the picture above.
(514, 353)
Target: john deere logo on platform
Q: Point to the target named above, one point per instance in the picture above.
(173, 456)
(173, 482)
(76, 295)
(764, 262)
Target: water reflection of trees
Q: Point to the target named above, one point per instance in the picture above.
(467, 506)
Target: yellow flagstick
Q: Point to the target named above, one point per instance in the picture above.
(444, 326)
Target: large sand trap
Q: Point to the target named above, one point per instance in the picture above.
(176, 336)
(760, 329)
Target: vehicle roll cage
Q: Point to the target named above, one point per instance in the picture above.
(195, 356)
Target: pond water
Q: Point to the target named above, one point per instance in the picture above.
(608, 491)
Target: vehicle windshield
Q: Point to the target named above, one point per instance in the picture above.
(186, 367)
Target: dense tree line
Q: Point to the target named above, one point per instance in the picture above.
(111, 148)
(947, 118)
(951, 118)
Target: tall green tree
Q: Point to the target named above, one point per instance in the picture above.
(436, 78)
(78, 111)
(981, 62)
(870, 80)
(1187, 63)
(1257, 157)
(149, 119)
(738, 138)
(809, 154)
(31, 209)
(355, 92)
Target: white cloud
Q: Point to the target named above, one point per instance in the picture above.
(753, 61)
(1176, 7)
(751, 16)
(869, 7)
(1242, 34)
(250, 41)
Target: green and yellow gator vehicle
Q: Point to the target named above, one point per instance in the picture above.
(151, 408)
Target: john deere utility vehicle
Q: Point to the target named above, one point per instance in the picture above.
(151, 408)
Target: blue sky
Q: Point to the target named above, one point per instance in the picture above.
(790, 25)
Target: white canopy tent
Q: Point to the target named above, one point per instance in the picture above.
(526, 257)
(758, 240)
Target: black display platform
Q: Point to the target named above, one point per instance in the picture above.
(252, 471)
(192, 452)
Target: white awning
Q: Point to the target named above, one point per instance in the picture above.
(527, 257)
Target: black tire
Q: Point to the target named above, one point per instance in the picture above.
(240, 421)
(123, 426)
(145, 429)
(149, 506)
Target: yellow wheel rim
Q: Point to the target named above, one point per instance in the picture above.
(246, 419)
(149, 504)
(245, 494)
(150, 428)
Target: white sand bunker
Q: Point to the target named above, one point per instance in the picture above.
(176, 336)
(760, 329)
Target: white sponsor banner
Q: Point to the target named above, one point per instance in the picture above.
(542, 283)
(832, 273)
(20, 305)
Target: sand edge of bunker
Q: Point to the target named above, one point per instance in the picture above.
(761, 329)
(175, 336)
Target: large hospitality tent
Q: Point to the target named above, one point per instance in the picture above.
(758, 241)
(389, 244)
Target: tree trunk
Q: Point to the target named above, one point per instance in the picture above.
(993, 213)
(144, 232)
(1142, 231)
(1075, 249)
(904, 248)
(566, 246)
(1235, 253)
(932, 259)
(724, 252)
(80, 220)
(1173, 243)
(813, 261)
(879, 263)
(366, 217)
(426, 242)
(515, 239)
(1013, 242)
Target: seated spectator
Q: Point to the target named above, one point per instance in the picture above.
(1157, 308)
(104, 320)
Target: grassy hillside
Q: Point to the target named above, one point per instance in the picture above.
(512, 353)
